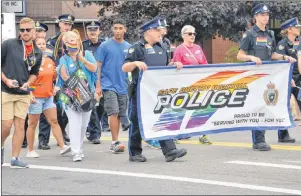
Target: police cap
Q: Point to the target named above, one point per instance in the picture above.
(293, 22)
(259, 9)
(39, 25)
(92, 24)
(152, 24)
(67, 18)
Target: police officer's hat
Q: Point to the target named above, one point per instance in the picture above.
(92, 24)
(260, 8)
(67, 18)
(152, 24)
(163, 23)
(293, 22)
(39, 25)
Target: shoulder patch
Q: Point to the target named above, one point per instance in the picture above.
(131, 50)
(280, 47)
(244, 35)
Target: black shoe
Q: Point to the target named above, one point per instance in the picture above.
(287, 140)
(43, 146)
(126, 127)
(96, 141)
(2, 156)
(137, 158)
(24, 145)
(262, 146)
(66, 137)
(175, 153)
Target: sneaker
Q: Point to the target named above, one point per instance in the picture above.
(77, 158)
(137, 158)
(32, 154)
(204, 140)
(81, 154)
(117, 147)
(2, 156)
(17, 163)
(155, 144)
(65, 150)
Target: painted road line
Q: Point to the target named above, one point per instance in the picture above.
(262, 164)
(299, 162)
(171, 178)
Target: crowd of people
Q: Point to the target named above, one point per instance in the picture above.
(37, 76)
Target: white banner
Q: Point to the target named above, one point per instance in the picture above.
(214, 98)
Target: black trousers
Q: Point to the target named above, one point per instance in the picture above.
(135, 140)
(94, 129)
(284, 133)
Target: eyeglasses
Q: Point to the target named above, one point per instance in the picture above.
(27, 30)
(190, 33)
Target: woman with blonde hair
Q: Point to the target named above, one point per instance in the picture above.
(81, 64)
(288, 46)
(189, 53)
(42, 102)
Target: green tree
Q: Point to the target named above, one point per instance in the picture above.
(228, 19)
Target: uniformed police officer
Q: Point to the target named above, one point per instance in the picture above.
(258, 44)
(94, 129)
(41, 30)
(144, 53)
(165, 42)
(55, 51)
(290, 30)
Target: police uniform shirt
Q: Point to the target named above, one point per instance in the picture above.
(258, 43)
(289, 48)
(89, 45)
(167, 45)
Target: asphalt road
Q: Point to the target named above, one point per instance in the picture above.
(229, 166)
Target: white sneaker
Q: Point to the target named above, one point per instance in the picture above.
(65, 150)
(81, 154)
(77, 157)
(32, 154)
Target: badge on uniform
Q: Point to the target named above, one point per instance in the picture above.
(131, 50)
(261, 41)
(149, 49)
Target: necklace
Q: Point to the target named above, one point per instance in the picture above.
(30, 59)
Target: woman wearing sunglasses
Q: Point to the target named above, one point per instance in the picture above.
(189, 53)
(42, 102)
(71, 63)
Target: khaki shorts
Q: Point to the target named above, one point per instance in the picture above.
(14, 105)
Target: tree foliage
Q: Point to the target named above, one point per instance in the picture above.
(210, 18)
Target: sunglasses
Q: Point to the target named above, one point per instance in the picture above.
(190, 34)
(27, 30)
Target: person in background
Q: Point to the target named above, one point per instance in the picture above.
(94, 128)
(78, 121)
(290, 30)
(42, 102)
(20, 63)
(189, 53)
(112, 80)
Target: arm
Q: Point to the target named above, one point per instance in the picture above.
(176, 57)
(10, 83)
(63, 73)
(98, 82)
(132, 61)
(88, 61)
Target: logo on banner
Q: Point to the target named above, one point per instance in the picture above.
(271, 95)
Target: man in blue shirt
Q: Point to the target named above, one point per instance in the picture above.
(112, 80)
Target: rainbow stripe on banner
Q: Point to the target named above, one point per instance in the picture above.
(210, 99)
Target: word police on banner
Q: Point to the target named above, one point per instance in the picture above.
(213, 98)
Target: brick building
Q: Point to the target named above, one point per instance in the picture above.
(47, 11)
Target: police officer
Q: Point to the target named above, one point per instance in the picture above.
(41, 31)
(94, 129)
(165, 42)
(55, 51)
(258, 44)
(290, 30)
(144, 53)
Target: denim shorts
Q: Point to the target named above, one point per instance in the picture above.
(41, 105)
(115, 103)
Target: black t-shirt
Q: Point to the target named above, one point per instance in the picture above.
(14, 66)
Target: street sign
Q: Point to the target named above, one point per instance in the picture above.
(17, 7)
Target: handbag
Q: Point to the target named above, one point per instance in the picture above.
(76, 92)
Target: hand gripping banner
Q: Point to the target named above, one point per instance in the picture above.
(209, 99)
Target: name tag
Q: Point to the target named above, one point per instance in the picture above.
(261, 41)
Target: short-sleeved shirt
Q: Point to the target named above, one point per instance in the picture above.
(112, 54)
(44, 81)
(287, 47)
(70, 67)
(189, 55)
(258, 43)
(15, 66)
